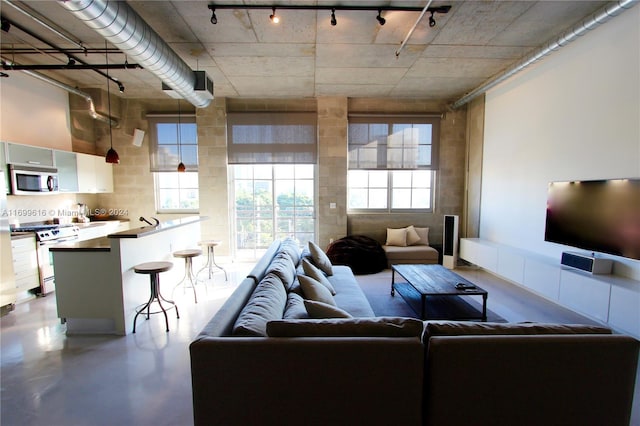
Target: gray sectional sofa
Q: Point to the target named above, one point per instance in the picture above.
(262, 360)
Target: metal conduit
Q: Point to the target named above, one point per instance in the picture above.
(600, 17)
(90, 105)
(117, 22)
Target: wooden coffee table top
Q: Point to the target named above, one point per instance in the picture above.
(435, 280)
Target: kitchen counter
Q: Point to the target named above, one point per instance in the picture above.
(97, 289)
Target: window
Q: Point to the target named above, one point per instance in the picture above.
(272, 202)
(392, 163)
(175, 192)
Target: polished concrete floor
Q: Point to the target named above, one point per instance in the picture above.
(49, 378)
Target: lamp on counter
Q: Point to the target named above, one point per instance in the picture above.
(181, 166)
(112, 156)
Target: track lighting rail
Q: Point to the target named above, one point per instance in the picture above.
(435, 9)
(70, 66)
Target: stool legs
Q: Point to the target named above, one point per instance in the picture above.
(189, 276)
(155, 296)
(211, 264)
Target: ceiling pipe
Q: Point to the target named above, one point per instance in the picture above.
(90, 105)
(117, 22)
(600, 17)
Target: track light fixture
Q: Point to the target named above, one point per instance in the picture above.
(274, 18)
(380, 19)
(432, 22)
(334, 22)
(214, 18)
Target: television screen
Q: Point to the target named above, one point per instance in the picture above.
(600, 216)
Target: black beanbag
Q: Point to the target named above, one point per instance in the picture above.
(363, 254)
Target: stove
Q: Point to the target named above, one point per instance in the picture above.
(47, 235)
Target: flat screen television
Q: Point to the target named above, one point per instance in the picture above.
(598, 215)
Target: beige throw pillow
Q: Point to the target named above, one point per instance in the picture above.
(397, 237)
(412, 236)
(423, 233)
(313, 290)
(323, 310)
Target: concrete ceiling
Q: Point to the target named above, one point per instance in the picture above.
(304, 56)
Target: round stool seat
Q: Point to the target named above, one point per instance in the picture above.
(211, 261)
(187, 253)
(207, 243)
(152, 267)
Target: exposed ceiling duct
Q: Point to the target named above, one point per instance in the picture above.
(586, 25)
(125, 29)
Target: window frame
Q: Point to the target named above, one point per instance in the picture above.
(390, 121)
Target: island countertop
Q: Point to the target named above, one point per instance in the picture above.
(161, 227)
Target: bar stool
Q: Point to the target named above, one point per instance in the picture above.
(154, 269)
(211, 260)
(189, 277)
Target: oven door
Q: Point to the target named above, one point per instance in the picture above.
(45, 264)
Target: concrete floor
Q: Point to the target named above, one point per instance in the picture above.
(49, 378)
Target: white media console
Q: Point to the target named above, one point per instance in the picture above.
(610, 299)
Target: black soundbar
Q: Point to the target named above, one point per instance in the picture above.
(588, 263)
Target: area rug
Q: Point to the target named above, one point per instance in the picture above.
(377, 288)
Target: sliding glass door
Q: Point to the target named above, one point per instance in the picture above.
(271, 201)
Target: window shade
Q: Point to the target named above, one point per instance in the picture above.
(271, 138)
(394, 142)
(164, 151)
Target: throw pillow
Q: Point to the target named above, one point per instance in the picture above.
(320, 259)
(412, 236)
(423, 233)
(350, 327)
(322, 310)
(267, 302)
(313, 290)
(397, 237)
(311, 271)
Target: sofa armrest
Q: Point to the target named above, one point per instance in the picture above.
(240, 381)
(528, 380)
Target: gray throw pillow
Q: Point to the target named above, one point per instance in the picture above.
(320, 258)
(312, 289)
(322, 310)
(311, 271)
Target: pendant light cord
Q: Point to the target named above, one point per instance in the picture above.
(106, 56)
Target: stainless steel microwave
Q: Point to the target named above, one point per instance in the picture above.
(27, 180)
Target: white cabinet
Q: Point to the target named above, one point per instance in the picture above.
(25, 262)
(29, 155)
(67, 166)
(94, 174)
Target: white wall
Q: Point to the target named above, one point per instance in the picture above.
(33, 112)
(574, 115)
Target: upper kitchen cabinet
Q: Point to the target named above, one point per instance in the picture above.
(29, 155)
(94, 174)
(67, 166)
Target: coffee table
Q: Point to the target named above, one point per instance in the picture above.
(436, 280)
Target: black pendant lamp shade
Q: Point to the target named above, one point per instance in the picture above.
(181, 166)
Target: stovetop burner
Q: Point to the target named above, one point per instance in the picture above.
(50, 231)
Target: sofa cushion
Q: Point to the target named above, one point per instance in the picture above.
(282, 266)
(291, 248)
(349, 296)
(417, 252)
(311, 271)
(320, 259)
(265, 304)
(323, 310)
(312, 289)
(295, 308)
(455, 328)
(347, 327)
(397, 237)
(412, 236)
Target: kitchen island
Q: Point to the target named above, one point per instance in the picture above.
(97, 289)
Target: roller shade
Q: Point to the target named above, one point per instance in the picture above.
(394, 142)
(164, 151)
(272, 138)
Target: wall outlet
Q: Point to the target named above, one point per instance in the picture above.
(332, 205)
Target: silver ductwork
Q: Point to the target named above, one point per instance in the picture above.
(600, 17)
(117, 22)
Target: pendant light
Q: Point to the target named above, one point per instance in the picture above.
(112, 156)
(181, 166)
